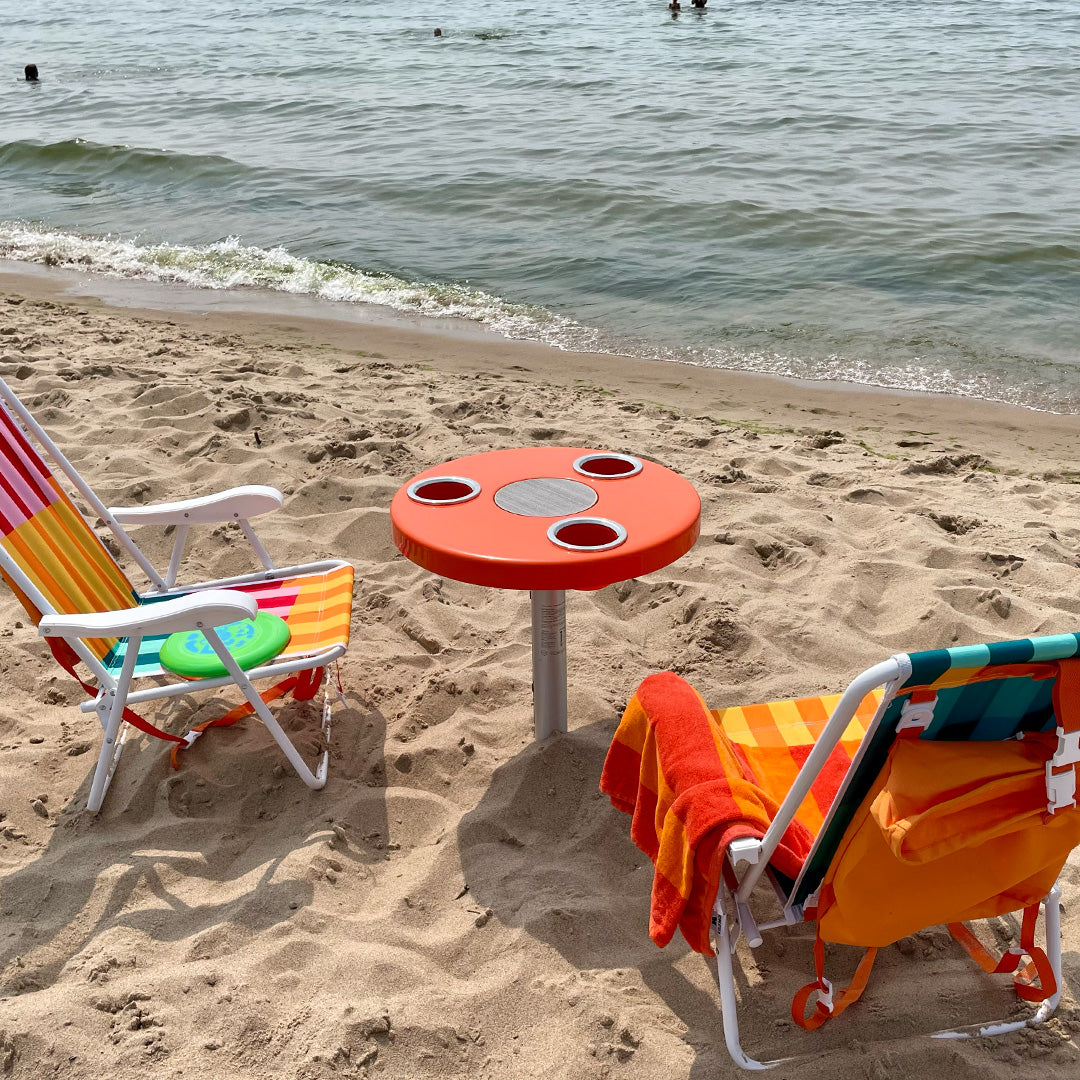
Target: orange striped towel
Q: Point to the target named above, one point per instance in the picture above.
(691, 792)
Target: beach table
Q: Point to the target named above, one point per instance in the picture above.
(546, 519)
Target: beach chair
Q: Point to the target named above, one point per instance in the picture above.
(88, 610)
(940, 787)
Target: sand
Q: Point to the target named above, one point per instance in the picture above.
(459, 900)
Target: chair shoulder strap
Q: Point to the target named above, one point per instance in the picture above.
(1024, 977)
(828, 1005)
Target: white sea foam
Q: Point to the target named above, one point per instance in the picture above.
(231, 264)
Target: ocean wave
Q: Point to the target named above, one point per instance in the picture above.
(913, 376)
(83, 155)
(230, 264)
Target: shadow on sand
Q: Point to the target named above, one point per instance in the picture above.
(547, 852)
(232, 825)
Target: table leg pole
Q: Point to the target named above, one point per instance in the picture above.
(549, 661)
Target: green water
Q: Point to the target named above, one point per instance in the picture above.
(876, 192)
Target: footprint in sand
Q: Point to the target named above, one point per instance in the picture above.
(873, 496)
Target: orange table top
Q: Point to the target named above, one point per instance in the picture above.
(550, 517)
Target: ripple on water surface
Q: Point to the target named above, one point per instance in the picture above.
(876, 191)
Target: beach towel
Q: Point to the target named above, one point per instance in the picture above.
(691, 791)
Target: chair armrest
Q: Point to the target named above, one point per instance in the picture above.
(214, 607)
(239, 503)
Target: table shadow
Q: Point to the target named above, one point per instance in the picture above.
(546, 852)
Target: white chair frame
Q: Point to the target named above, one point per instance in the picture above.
(732, 918)
(204, 606)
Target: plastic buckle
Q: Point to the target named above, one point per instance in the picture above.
(1068, 748)
(917, 714)
(1060, 789)
(190, 738)
(1061, 786)
(825, 995)
(745, 849)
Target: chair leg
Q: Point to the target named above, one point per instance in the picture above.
(1052, 924)
(316, 779)
(725, 947)
(112, 746)
(1052, 919)
(725, 973)
(111, 712)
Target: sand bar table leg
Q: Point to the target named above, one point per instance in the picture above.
(549, 661)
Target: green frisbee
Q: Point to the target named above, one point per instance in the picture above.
(250, 642)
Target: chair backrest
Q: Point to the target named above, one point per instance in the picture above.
(975, 693)
(54, 560)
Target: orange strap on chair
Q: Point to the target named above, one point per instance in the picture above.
(1010, 962)
(826, 1005)
(303, 684)
(307, 683)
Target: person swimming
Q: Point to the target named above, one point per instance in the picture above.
(30, 73)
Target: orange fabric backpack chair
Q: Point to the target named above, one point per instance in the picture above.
(938, 788)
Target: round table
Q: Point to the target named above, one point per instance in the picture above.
(546, 519)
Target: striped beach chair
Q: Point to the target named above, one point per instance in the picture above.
(940, 787)
(91, 614)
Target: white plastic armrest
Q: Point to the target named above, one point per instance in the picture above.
(236, 504)
(215, 607)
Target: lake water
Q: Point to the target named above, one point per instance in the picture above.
(871, 191)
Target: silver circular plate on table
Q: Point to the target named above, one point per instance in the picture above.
(545, 497)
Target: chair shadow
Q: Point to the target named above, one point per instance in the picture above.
(546, 852)
(153, 840)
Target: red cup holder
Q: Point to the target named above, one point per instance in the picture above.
(443, 490)
(607, 466)
(586, 534)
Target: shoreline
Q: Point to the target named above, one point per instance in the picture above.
(463, 346)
